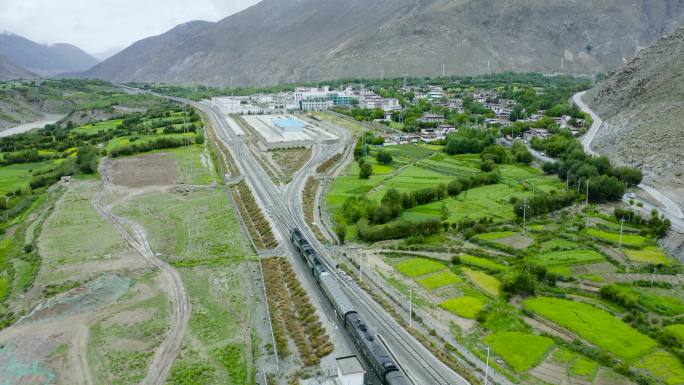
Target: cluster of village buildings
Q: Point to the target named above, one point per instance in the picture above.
(324, 98)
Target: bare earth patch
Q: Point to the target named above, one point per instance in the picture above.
(157, 169)
(517, 241)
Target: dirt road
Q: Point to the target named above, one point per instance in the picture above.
(136, 237)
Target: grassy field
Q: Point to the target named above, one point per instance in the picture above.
(120, 349)
(676, 331)
(467, 307)
(569, 257)
(440, 279)
(485, 282)
(417, 267)
(520, 350)
(662, 304)
(94, 128)
(664, 366)
(17, 176)
(594, 325)
(190, 228)
(576, 365)
(76, 235)
(482, 263)
(557, 244)
(650, 254)
(614, 238)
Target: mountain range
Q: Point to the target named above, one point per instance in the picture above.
(642, 106)
(279, 41)
(9, 70)
(44, 60)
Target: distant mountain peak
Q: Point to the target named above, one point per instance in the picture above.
(44, 59)
(279, 41)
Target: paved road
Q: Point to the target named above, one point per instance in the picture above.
(595, 126)
(136, 237)
(285, 211)
(671, 210)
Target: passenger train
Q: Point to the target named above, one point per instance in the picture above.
(373, 351)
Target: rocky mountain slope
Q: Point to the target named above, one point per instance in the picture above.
(278, 41)
(642, 106)
(10, 71)
(44, 60)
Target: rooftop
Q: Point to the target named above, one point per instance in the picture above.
(350, 365)
(285, 123)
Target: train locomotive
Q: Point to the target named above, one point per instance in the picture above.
(372, 349)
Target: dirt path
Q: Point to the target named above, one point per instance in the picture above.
(79, 355)
(136, 237)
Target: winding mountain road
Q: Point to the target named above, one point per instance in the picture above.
(668, 208)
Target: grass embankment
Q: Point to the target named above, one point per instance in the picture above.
(292, 315)
(309, 204)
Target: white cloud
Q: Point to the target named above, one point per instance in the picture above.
(101, 25)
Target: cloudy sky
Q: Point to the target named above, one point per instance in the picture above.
(102, 25)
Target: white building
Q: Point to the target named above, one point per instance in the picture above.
(350, 371)
(302, 93)
(316, 104)
(390, 104)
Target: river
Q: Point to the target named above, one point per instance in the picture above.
(48, 119)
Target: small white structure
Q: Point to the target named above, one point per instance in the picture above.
(350, 371)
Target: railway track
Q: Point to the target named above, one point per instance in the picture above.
(284, 208)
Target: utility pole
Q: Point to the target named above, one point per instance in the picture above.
(622, 226)
(653, 277)
(360, 271)
(410, 308)
(587, 191)
(443, 70)
(525, 206)
(487, 368)
(638, 272)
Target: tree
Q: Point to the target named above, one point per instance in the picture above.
(341, 232)
(86, 159)
(366, 171)
(495, 153)
(383, 157)
(519, 282)
(605, 188)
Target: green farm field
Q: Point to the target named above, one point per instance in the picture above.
(417, 267)
(467, 307)
(18, 176)
(520, 350)
(417, 167)
(594, 325)
(439, 279)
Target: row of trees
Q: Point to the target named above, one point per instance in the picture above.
(543, 203)
(155, 144)
(582, 171)
(658, 225)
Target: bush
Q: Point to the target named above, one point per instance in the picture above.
(366, 170)
(487, 165)
(383, 157)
